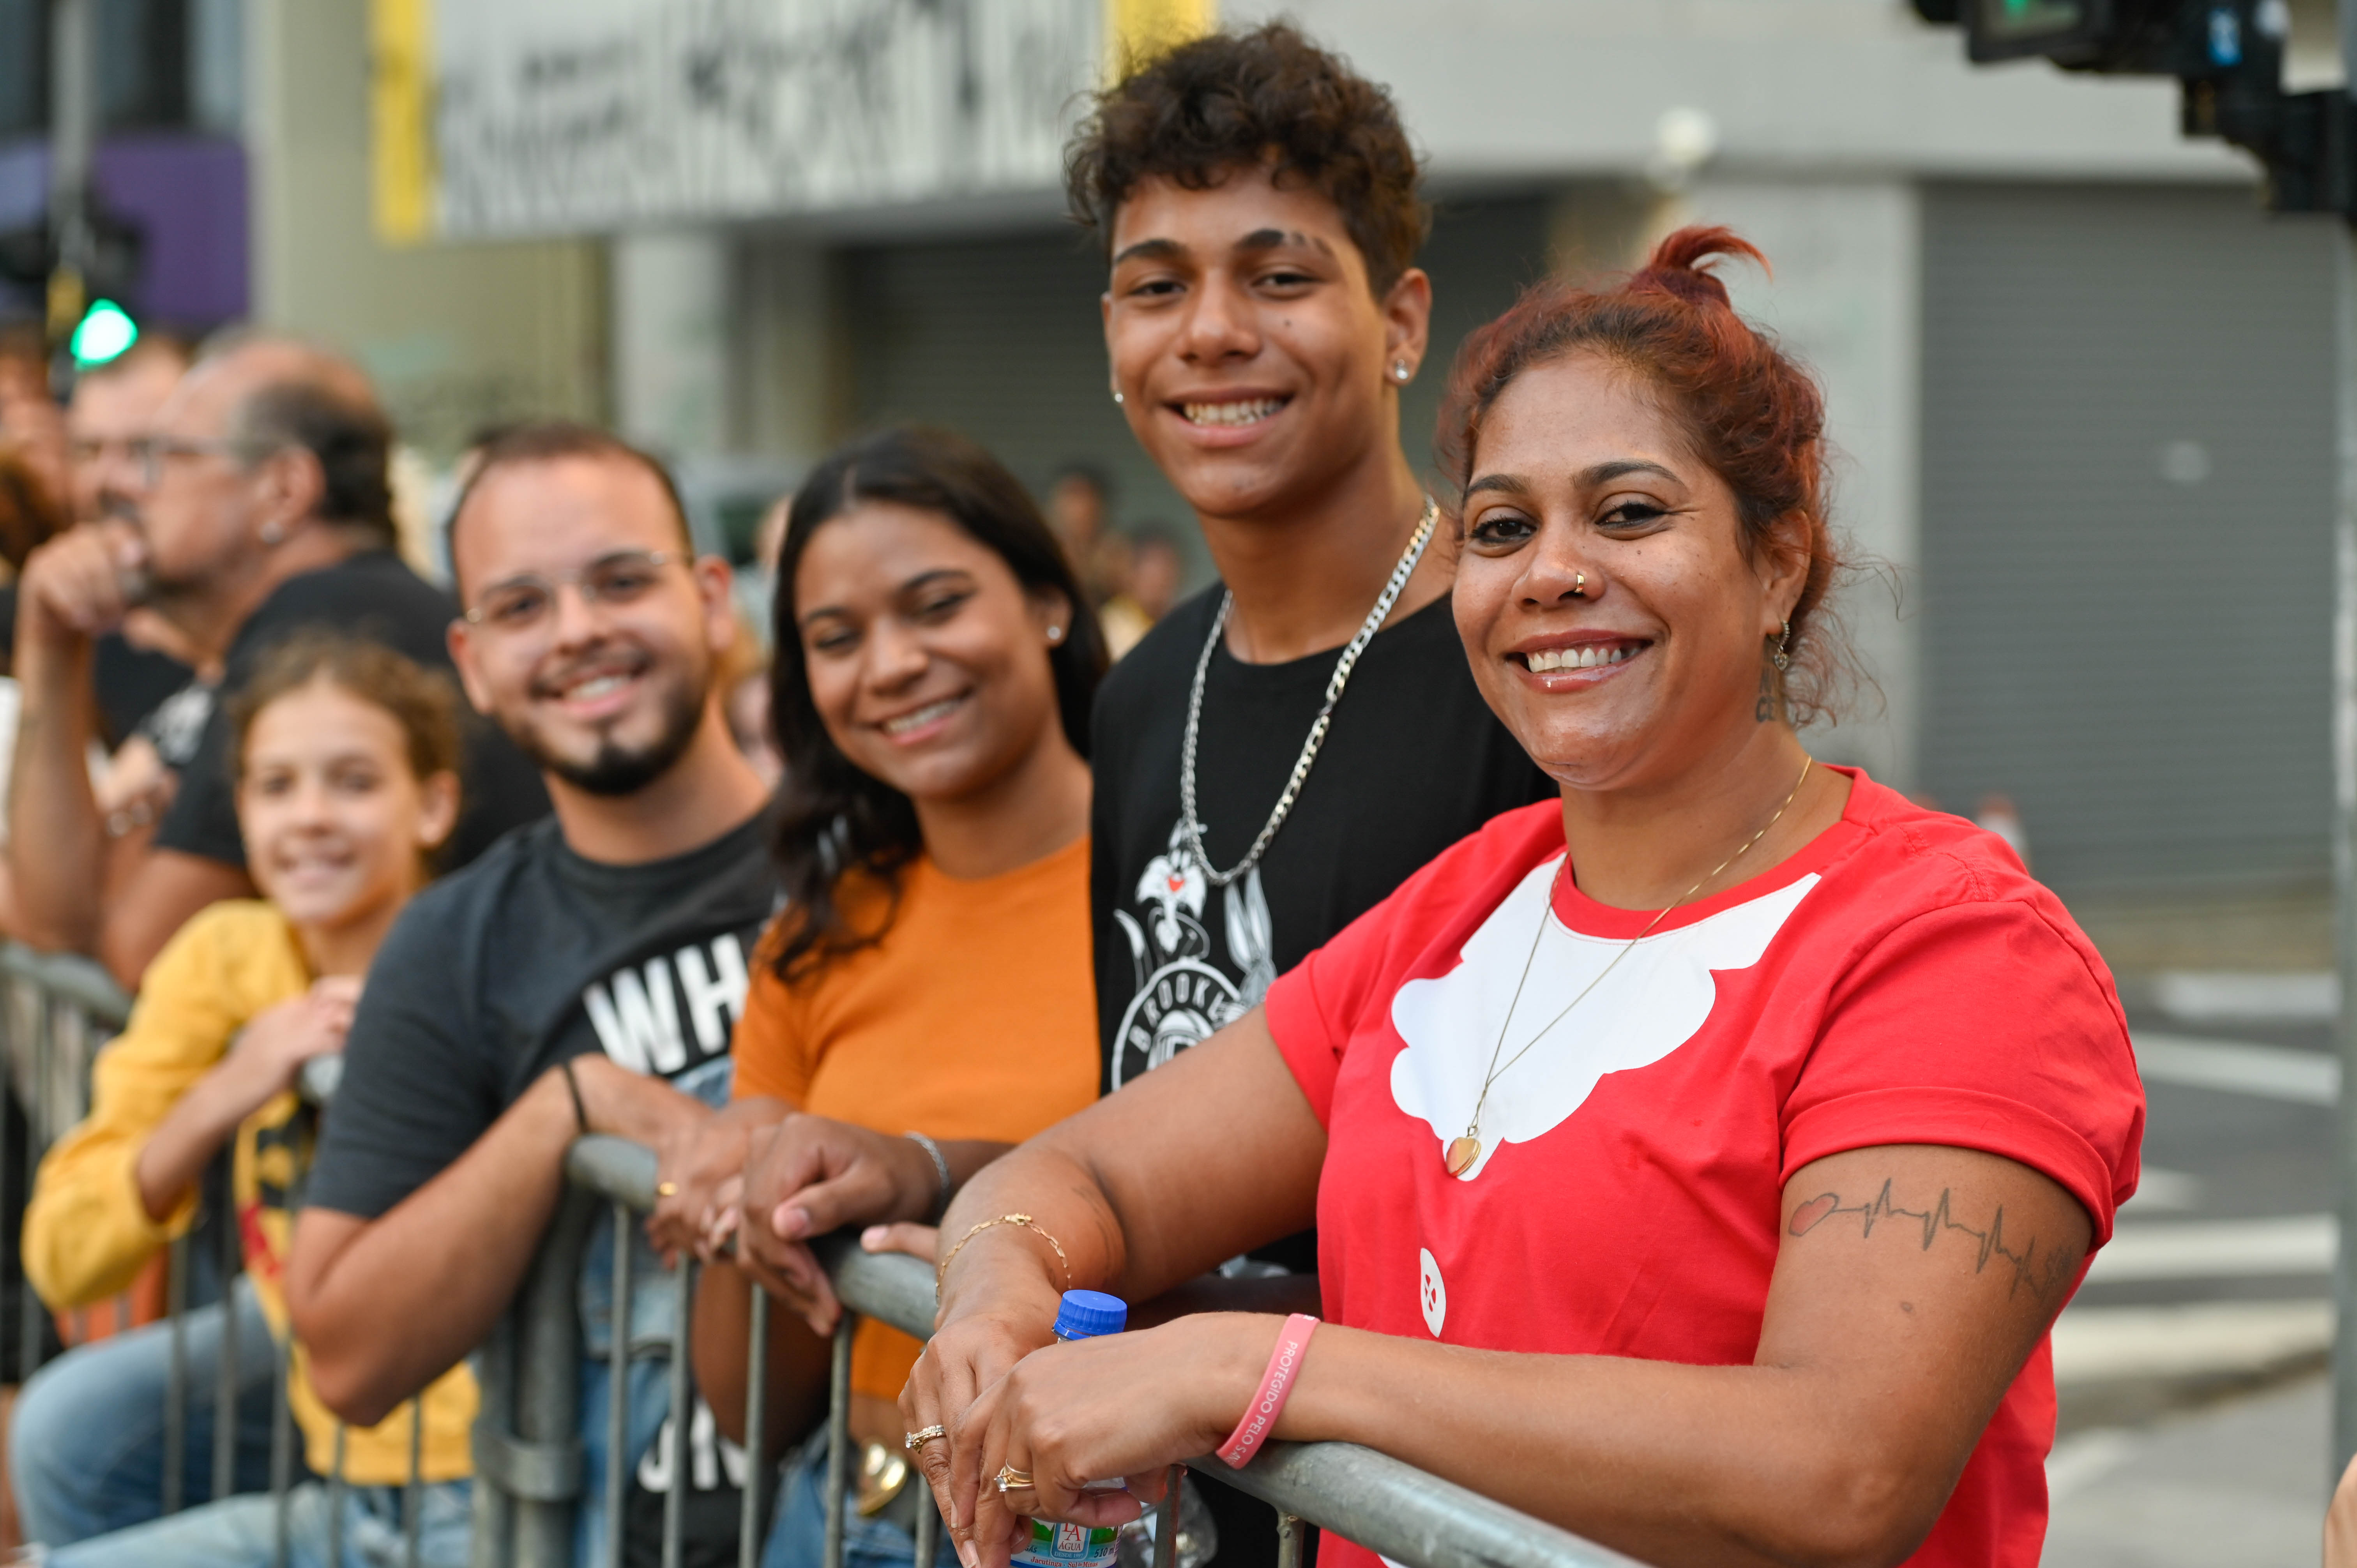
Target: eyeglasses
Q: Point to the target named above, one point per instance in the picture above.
(151, 451)
(520, 604)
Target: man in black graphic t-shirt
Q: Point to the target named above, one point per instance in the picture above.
(1258, 205)
(610, 943)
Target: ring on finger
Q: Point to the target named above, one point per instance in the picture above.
(666, 1189)
(1010, 1480)
(923, 1435)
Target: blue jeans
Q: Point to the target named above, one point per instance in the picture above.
(243, 1532)
(798, 1534)
(86, 1444)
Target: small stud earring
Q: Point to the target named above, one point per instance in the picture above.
(1782, 657)
(1055, 634)
(1117, 399)
(273, 532)
(1400, 371)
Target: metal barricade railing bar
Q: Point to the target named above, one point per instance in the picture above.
(1390, 1507)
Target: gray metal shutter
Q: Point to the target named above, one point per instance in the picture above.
(2126, 528)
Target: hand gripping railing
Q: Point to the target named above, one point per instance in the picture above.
(1402, 1513)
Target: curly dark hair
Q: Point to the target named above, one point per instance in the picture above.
(835, 819)
(1269, 97)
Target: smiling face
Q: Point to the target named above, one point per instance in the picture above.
(336, 824)
(1655, 662)
(606, 695)
(1255, 363)
(927, 661)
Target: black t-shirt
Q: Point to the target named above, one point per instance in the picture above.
(1413, 762)
(373, 595)
(528, 957)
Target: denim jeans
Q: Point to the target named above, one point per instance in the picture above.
(86, 1442)
(243, 1532)
(798, 1535)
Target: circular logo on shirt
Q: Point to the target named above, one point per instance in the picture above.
(1182, 1003)
(1431, 1291)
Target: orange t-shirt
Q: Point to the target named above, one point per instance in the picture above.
(973, 1017)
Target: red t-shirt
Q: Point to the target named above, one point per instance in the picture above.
(1901, 979)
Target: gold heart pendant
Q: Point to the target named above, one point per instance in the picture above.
(1462, 1153)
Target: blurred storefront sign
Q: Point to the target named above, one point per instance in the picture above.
(552, 116)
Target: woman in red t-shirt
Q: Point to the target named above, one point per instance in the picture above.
(1707, 1189)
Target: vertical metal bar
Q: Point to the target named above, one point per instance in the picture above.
(36, 1123)
(673, 1520)
(176, 1385)
(281, 1459)
(928, 1519)
(336, 1504)
(618, 1391)
(2344, 798)
(1289, 1541)
(756, 1400)
(545, 1377)
(838, 1438)
(225, 1365)
(1166, 1519)
(413, 1498)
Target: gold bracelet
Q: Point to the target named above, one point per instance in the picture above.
(942, 1272)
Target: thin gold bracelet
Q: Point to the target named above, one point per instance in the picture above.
(942, 1272)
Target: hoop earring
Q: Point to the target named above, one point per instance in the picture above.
(1782, 657)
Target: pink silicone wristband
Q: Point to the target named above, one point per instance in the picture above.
(1260, 1416)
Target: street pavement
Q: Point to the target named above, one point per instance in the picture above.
(2194, 1427)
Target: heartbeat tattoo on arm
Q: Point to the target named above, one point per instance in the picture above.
(2041, 1276)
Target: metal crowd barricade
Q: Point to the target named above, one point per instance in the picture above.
(527, 1442)
(1407, 1515)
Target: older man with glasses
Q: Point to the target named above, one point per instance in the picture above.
(260, 505)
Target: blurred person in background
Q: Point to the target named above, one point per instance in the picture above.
(347, 758)
(32, 428)
(1150, 589)
(1257, 202)
(262, 509)
(581, 976)
(1080, 509)
(1733, 1231)
(924, 1002)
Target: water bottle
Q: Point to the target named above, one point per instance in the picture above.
(1085, 1315)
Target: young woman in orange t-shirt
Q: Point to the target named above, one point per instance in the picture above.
(925, 1001)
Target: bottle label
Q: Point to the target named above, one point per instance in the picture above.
(1063, 1545)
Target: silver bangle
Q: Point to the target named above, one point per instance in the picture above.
(941, 1169)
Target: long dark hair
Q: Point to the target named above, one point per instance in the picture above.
(833, 818)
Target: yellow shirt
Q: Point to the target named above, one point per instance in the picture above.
(975, 1017)
(87, 1234)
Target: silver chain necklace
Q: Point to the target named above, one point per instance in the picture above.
(1189, 824)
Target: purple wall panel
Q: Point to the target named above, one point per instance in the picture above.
(188, 194)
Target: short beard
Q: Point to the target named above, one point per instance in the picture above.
(616, 770)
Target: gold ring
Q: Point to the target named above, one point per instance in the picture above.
(666, 1189)
(921, 1436)
(1009, 1478)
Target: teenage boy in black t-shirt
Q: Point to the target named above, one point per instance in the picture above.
(614, 940)
(1258, 204)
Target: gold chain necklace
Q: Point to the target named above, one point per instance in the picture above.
(1463, 1152)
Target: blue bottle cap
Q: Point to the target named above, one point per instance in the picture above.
(1089, 1313)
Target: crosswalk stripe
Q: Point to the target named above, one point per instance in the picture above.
(2272, 1072)
(2222, 1249)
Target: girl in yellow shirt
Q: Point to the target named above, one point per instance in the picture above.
(345, 757)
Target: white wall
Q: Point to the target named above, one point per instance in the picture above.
(1847, 262)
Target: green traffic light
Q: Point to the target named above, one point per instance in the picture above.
(106, 333)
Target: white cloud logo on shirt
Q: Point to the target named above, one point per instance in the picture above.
(1653, 1001)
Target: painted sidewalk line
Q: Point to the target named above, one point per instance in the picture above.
(2238, 1067)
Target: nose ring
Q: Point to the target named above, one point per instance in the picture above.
(1580, 585)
